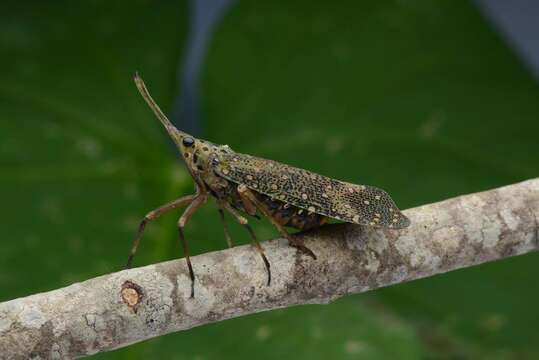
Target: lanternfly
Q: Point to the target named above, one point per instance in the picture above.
(244, 185)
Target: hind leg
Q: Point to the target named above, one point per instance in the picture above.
(248, 196)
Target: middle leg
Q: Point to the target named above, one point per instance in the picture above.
(243, 221)
(220, 207)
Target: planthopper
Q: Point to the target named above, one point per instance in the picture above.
(245, 185)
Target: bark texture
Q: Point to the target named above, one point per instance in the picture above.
(122, 308)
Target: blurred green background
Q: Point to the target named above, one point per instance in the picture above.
(421, 98)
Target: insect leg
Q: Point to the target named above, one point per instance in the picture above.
(243, 221)
(245, 193)
(193, 206)
(225, 225)
(152, 215)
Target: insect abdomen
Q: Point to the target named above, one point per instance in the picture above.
(290, 215)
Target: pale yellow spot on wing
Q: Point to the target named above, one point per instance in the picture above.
(324, 195)
(366, 202)
(356, 218)
(249, 177)
(311, 209)
(377, 197)
(304, 196)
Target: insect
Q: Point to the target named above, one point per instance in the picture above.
(246, 185)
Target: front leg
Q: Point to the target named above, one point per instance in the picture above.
(191, 209)
(152, 215)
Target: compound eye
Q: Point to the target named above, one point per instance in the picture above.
(188, 141)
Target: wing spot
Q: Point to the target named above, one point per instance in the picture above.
(366, 202)
(351, 190)
(377, 214)
(255, 185)
(356, 218)
(274, 187)
(249, 177)
(300, 211)
(313, 176)
(372, 223)
(311, 209)
(328, 188)
(347, 206)
(395, 220)
(282, 197)
(324, 195)
(390, 209)
(375, 219)
(377, 197)
(284, 177)
(304, 196)
(225, 171)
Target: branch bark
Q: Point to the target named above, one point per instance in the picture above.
(122, 308)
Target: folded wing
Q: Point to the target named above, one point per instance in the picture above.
(359, 204)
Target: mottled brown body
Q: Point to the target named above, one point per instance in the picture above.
(286, 195)
(284, 213)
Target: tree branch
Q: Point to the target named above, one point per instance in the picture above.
(122, 308)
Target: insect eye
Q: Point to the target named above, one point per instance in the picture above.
(188, 141)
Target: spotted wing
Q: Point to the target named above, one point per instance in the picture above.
(359, 204)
